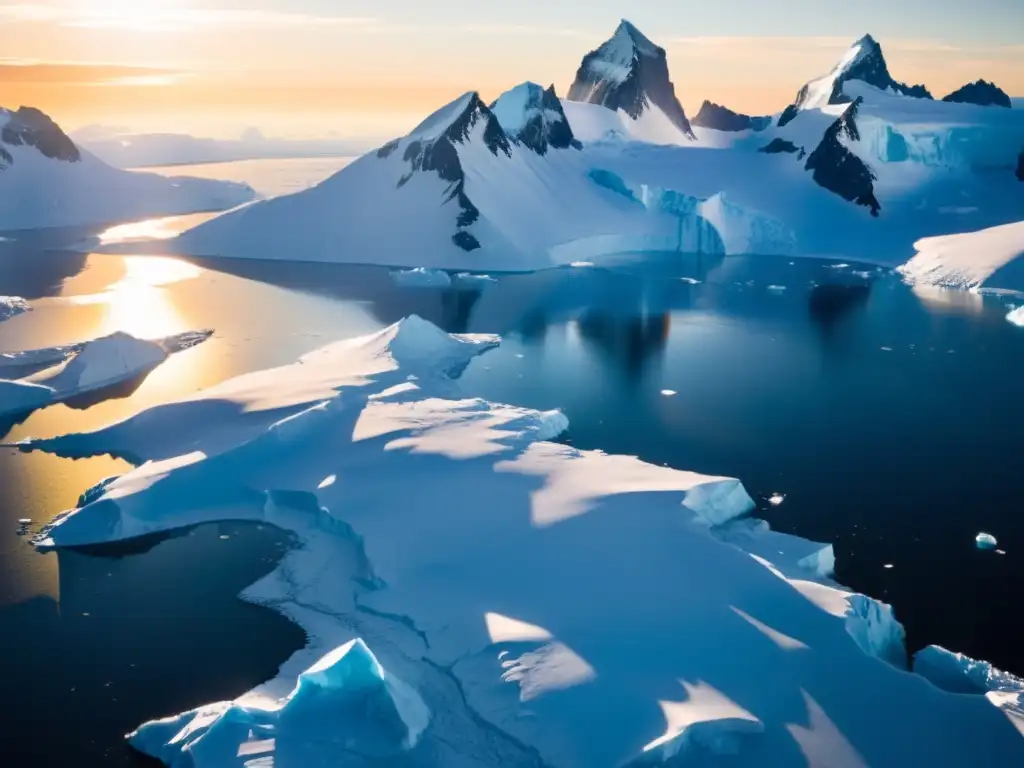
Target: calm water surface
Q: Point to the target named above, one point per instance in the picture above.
(889, 419)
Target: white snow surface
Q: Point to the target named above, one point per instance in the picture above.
(957, 673)
(57, 374)
(542, 605)
(38, 192)
(990, 258)
(421, 278)
(11, 306)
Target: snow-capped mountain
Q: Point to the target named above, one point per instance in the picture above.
(47, 181)
(533, 116)
(500, 187)
(530, 181)
(721, 118)
(982, 93)
(864, 61)
(629, 73)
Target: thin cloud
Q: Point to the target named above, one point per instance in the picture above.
(125, 16)
(15, 71)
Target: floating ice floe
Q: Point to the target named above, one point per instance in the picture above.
(776, 499)
(1016, 316)
(985, 541)
(59, 374)
(474, 595)
(421, 278)
(668, 392)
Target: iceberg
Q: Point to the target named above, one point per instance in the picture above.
(540, 604)
(61, 374)
(346, 705)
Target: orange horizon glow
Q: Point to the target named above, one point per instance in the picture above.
(188, 67)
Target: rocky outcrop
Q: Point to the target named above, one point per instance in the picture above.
(532, 117)
(837, 169)
(982, 93)
(778, 146)
(721, 118)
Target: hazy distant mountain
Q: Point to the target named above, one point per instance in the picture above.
(138, 150)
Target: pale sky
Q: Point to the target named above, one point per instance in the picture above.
(361, 68)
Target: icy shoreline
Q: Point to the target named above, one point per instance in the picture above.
(546, 605)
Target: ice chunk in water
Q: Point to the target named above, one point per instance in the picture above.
(985, 541)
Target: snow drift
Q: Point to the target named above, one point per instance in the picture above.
(47, 181)
(540, 605)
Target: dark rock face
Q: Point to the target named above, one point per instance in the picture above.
(30, 127)
(439, 155)
(721, 118)
(982, 93)
(1020, 167)
(869, 66)
(839, 170)
(630, 73)
(6, 161)
(545, 125)
(778, 146)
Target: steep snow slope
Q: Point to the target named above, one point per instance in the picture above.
(470, 188)
(594, 611)
(628, 74)
(46, 181)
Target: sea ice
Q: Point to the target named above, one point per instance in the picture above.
(1016, 316)
(545, 604)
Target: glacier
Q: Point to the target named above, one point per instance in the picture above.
(48, 181)
(498, 599)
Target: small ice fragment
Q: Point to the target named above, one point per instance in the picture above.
(776, 499)
(519, 356)
(327, 481)
(668, 392)
(690, 280)
(224, 537)
(1016, 316)
(1000, 551)
(25, 521)
(985, 541)
(888, 566)
(887, 349)
(582, 264)
(840, 265)
(776, 288)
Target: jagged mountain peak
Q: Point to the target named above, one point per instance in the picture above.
(628, 72)
(864, 61)
(982, 93)
(31, 127)
(532, 116)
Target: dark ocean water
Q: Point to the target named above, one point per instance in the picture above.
(889, 421)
